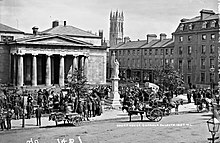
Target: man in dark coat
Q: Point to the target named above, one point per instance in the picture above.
(38, 115)
(8, 118)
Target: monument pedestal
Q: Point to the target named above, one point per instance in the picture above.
(116, 104)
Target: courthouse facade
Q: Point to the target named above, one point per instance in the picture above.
(51, 56)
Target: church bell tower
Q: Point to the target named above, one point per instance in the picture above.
(116, 28)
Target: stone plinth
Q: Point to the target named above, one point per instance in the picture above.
(116, 100)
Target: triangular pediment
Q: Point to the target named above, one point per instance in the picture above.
(52, 40)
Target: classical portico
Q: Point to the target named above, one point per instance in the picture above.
(37, 69)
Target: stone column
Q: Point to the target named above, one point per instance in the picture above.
(75, 63)
(48, 71)
(61, 78)
(14, 69)
(85, 70)
(34, 70)
(82, 64)
(20, 70)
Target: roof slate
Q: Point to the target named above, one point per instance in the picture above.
(69, 30)
(5, 28)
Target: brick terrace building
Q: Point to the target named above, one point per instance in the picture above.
(196, 48)
(138, 59)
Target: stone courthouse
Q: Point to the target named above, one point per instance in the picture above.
(49, 57)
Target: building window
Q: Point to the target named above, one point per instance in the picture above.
(212, 36)
(167, 51)
(171, 51)
(189, 64)
(204, 24)
(7, 38)
(180, 50)
(145, 51)
(213, 23)
(166, 61)
(156, 51)
(211, 63)
(150, 51)
(203, 36)
(188, 79)
(150, 62)
(138, 51)
(202, 63)
(171, 61)
(189, 50)
(202, 77)
(190, 38)
(133, 52)
(128, 52)
(181, 39)
(182, 27)
(161, 61)
(212, 49)
(180, 65)
(203, 49)
(145, 62)
(120, 52)
(190, 26)
(156, 62)
(212, 75)
(161, 51)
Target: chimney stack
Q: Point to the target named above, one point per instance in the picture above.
(64, 23)
(126, 39)
(151, 37)
(205, 13)
(163, 36)
(35, 30)
(55, 23)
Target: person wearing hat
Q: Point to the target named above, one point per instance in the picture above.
(38, 115)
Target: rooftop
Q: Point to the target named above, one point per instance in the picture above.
(5, 28)
(70, 31)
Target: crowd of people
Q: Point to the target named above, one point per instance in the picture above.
(13, 103)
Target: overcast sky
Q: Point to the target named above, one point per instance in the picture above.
(142, 17)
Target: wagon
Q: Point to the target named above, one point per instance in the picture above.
(153, 114)
(73, 118)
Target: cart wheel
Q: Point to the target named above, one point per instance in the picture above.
(78, 121)
(156, 114)
(167, 111)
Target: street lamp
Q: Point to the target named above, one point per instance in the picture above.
(213, 126)
(23, 117)
(212, 69)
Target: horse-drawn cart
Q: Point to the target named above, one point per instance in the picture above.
(73, 118)
(153, 114)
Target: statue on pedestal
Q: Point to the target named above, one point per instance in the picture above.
(114, 77)
(115, 67)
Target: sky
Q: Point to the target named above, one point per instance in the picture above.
(141, 17)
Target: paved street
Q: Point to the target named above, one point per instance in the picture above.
(184, 128)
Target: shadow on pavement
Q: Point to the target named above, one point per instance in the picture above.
(133, 121)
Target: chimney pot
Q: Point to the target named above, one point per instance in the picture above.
(35, 30)
(151, 37)
(163, 36)
(64, 23)
(55, 23)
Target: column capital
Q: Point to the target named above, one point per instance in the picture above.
(62, 55)
(20, 54)
(49, 55)
(76, 55)
(34, 54)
